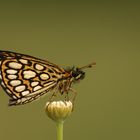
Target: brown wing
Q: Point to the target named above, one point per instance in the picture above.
(25, 78)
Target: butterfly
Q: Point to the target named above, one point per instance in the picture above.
(26, 78)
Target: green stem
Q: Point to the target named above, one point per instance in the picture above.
(59, 127)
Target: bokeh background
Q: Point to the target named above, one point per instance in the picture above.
(76, 33)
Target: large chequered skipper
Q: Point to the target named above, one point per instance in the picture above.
(26, 78)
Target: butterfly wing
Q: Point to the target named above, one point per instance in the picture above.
(25, 78)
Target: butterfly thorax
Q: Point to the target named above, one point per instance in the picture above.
(71, 75)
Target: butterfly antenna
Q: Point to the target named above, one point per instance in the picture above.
(88, 66)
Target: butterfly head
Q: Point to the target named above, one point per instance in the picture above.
(78, 73)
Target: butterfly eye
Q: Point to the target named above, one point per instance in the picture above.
(78, 74)
(75, 74)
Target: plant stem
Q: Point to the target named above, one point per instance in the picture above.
(59, 127)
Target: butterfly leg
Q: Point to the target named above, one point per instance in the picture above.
(52, 96)
(66, 96)
(75, 94)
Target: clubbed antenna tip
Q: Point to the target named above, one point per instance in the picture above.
(88, 66)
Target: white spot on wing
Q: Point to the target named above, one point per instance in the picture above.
(19, 100)
(47, 86)
(23, 99)
(29, 74)
(15, 65)
(11, 71)
(14, 97)
(39, 67)
(2, 84)
(8, 91)
(20, 88)
(24, 93)
(36, 88)
(34, 84)
(26, 99)
(11, 76)
(15, 82)
(23, 61)
(44, 76)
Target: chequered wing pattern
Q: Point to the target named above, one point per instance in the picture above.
(25, 78)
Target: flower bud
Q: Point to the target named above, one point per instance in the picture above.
(59, 110)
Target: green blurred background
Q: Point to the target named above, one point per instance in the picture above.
(77, 33)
